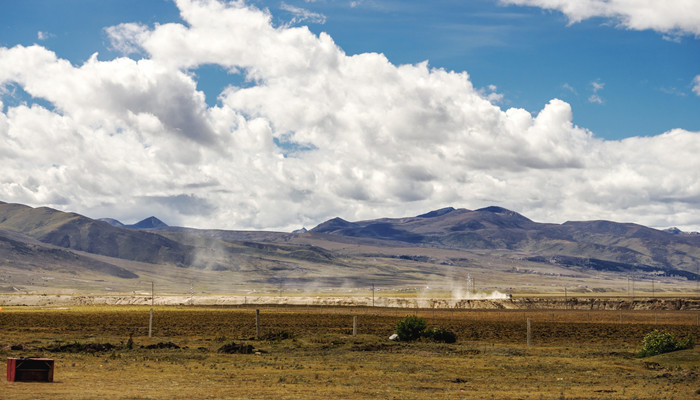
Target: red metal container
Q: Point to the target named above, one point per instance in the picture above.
(30, 369)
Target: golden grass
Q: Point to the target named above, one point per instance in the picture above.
(571, 358)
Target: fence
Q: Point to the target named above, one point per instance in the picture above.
(240, 322)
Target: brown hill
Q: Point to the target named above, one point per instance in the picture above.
(74, 231)
(631, 248)
(22, 253)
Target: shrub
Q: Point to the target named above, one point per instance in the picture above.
(687, 343)
(441, 335)
(659, 342)
(277, 336)
(236, 348)
(410, 328)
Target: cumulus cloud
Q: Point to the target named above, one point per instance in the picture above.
(316, 134)
(696, 85)
(674, 17)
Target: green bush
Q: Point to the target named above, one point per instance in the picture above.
(659, 342)
(687, 343)
(410, 328)
(413, 328)
(441, 335)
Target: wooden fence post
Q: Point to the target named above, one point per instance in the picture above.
(257, 324)
(354, 325)
(529, 333)
(150, 323)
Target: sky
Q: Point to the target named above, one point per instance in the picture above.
(277, 115)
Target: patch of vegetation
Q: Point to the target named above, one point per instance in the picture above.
(410, 328)
(659, 342)
(76, 347)
(161, 345)
(413, 328)
(236, 348)
(277, 336)
(441, 335)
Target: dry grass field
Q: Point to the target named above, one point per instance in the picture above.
(308, 352)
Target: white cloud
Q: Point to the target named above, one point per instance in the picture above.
(491, 94)
(41, 35)
(596, 86)
(301, 15)
(318, 134)
(696, 85)
(569, 88)
(673, 91)
(124, 38)
(671, 17)
(594, 98)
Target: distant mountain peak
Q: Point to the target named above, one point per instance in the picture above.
(676, 231)
(503, 212)
(332, 225)
(148, 223)
(437, 213)
(302, 230)
(112, 222)
(496, 210)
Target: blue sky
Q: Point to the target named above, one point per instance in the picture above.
(531, 55)
(276, 115)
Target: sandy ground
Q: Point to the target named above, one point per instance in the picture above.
(354, 301)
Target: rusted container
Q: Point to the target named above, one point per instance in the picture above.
(30, 369)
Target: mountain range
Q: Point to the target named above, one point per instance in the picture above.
(43, 248)
(595, 243)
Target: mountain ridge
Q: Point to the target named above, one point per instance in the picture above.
(77, 232)
(497, 242)
(496, 228)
